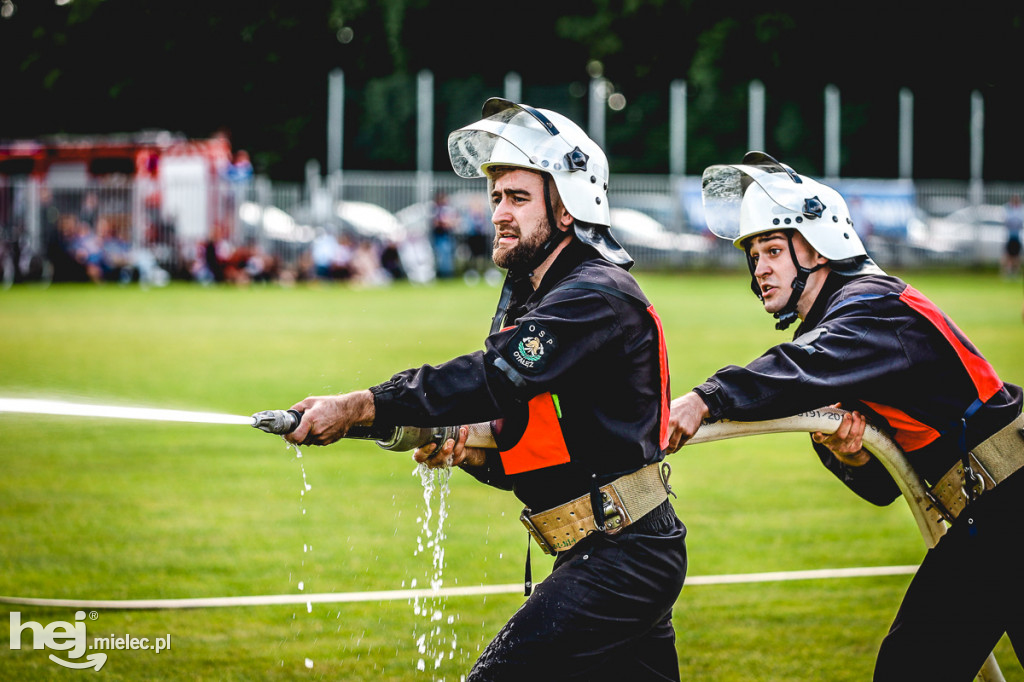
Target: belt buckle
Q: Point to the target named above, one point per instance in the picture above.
(973, 484)
(614, 515)
(535, 532)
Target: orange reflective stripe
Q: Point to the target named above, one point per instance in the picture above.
(542, 444)
(985, 379)
(663, 435)
(910, 433)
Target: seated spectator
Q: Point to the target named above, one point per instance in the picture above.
(366, 267)
(116, 253)
(391, 260)
(87, 250)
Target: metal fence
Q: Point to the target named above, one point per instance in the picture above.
(141, 229)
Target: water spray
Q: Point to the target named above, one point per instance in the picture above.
(69, 409)
(397, 438)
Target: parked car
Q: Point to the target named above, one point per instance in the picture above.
(976, 232)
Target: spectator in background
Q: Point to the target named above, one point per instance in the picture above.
(87, 250)
(1014, 222)
(323, 250)
(240, 170)
(366, 267)
(205, 268)
(479, 232)
(332, 256)
(116, 252)
(90, 211)
(260, 266)
(57, 234)
(391, 260)
(442, 236)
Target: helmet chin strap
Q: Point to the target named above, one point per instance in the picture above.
(787, 315)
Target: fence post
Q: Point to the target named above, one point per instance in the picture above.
(513, 87)
(832, 132)
(424, 134)
(335, 120)
(906, 136)
(677, 128)
(32, 215)
(755, 116)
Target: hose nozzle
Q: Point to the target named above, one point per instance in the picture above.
(396, 438)
(277, 421)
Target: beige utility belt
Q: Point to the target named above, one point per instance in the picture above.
(992, 463)
(626, 500)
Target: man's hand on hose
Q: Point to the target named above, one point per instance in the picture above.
(847, 443)
(451, 453)
(688, 411)
(327, 418)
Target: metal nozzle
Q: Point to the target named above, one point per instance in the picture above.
(388, 437)
(277, 421)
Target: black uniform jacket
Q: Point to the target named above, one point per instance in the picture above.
(877, 345)
(576, 383)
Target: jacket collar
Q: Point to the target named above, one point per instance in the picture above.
(524, 297)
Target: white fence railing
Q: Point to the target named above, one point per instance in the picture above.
(127, 229)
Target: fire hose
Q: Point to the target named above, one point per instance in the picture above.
(824, 419)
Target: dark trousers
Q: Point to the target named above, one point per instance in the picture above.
(967, 593)
(604, 613)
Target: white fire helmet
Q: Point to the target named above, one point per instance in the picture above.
(762, 195)
(545, 141)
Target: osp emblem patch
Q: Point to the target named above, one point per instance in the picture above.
(531, 346)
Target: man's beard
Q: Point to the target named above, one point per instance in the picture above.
(523, 254)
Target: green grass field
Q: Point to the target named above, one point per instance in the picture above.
(105, 509)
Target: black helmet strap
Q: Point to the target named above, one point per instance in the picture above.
(787, 315)
(553, 240)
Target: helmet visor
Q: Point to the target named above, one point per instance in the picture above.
(472, 148)
(723, 187)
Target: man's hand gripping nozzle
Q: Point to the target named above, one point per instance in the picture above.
(387, 437)
(277, 421)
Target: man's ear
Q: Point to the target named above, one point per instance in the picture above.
(565, 220)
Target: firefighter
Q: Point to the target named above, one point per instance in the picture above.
(881, 349)
(574, 378)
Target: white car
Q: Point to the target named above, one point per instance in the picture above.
(976, 232)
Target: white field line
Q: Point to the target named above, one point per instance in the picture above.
(398, 595)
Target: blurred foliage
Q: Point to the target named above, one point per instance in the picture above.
(258, 71)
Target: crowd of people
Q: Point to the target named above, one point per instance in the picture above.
(460, 239)
(87, 244)
(84, 241)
